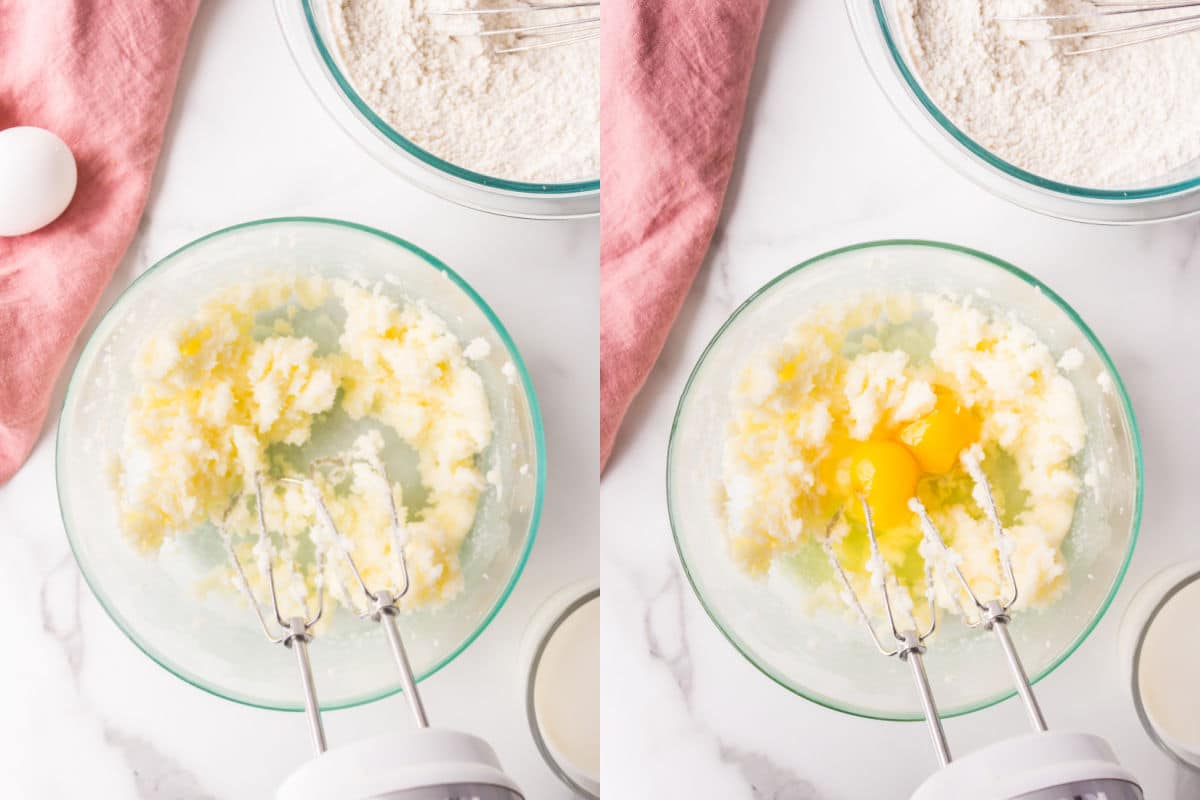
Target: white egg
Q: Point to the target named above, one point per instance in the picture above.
(37, 179)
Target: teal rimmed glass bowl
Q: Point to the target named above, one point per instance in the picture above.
(826, 655)
(1170, 196)
(306, 28)
(212, 640)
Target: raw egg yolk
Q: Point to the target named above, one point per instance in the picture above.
(885, 474)
(936, 439)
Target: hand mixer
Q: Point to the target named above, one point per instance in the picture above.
(541, 35)
(1040, 766)
(1151, 22)
(422, 764)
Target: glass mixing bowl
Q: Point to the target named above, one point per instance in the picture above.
(827, 656)
(214, 641)
(1168, 197)
(307, 29)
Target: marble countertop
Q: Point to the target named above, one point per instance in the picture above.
(86, 714)
(825, 162)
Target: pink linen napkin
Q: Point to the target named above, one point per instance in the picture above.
(674, 78)
(100, 74)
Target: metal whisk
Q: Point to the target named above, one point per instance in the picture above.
(910, 639)
(295, 632)
(381, 603)
(425, 762)
(537, 35)
(991, 614)
(1150, 21)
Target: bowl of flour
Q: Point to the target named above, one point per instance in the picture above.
(1108, 137)
(509, 133)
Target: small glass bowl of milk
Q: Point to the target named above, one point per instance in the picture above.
(1160, 652)
(560, 656)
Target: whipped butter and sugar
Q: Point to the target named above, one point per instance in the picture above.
(1114, 119)
(234, 391)
(878, 398)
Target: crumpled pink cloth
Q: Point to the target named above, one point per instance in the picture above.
(674, 78)
(100, 74)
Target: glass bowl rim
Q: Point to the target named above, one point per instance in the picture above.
(527, 386)
(1126, 404)
(1013, 171)
(1135, 674)
(535, 729)
(423, 155)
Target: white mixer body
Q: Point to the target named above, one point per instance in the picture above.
(1041, 766)
(422, 764)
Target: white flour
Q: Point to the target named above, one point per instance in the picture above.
(531, 117)
(1124, 118)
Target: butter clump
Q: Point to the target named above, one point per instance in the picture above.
(824, 417)
(233, 392)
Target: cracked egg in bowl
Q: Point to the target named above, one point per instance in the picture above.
(864, 380)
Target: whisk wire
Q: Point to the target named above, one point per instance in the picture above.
(547, 34)
(461, 12)
(934, 537)
(901, 633)
(910, 645)
(850, 595)
(1096, 33)
(1153, 38)
(1104, 10)
(1158, 27)
(320, 559)
(880, 565)
(399, 539)
(382, 603)
(984, 497)
(554, 43)
(588, 22)
(294, 632)
(992, 614)
(241, 580)
(264, 549)
(265, 552)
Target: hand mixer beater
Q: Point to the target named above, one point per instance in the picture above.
(1040, 766)
(421, 764)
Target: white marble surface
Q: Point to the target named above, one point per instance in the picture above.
(85, 713)
(825, 163)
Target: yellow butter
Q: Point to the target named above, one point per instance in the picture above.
(806, 408)
(218, 394)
